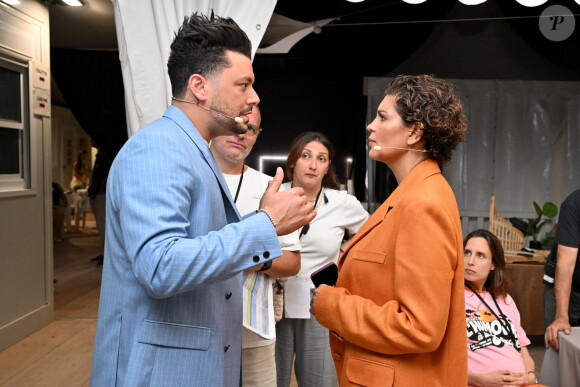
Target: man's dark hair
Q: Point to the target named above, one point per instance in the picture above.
(200, 46)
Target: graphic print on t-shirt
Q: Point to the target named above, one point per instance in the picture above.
(484, 330)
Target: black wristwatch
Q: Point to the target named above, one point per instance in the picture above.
(266, 265)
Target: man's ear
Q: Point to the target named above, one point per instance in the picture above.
(198, 85)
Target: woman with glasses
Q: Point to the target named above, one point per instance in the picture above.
(396, 312)
(298, 334)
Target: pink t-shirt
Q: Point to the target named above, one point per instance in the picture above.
(489, 347)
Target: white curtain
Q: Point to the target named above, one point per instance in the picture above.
(145, 30)
(522, 144)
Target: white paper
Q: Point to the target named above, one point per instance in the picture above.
(297, 297)
(259, 305)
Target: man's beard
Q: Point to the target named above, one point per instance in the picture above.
(225, 122)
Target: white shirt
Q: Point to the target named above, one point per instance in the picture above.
(321, 244)
(259, 325)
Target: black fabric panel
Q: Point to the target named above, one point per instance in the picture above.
(92, 85)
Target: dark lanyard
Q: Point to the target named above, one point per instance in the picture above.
(307, 226)
(504, 323)
(239, 184)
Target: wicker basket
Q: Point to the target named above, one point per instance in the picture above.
(510, 237)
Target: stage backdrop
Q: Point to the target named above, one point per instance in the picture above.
(521, 145)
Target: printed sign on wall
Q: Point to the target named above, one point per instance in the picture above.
(41, 102)
(40, 76)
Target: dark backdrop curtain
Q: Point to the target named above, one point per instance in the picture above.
(92, 86)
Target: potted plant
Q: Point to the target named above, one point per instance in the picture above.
(532, 227)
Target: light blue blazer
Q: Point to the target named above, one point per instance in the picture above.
(170, 311)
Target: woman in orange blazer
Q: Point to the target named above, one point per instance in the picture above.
(396, 314)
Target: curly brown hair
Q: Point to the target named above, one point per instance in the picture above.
(432, 103)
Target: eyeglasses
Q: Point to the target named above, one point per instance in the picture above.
(253, 130)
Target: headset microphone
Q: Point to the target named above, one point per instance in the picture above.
(378, 148)
(238, 120)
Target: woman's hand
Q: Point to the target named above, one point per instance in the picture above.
(501, 378)
(314, 297)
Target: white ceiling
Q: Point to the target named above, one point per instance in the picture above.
(89, 27)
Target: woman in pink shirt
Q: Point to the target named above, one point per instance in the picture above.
(496, 343)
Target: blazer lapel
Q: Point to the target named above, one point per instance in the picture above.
(375, 219)
(419, 173)
(176, 115)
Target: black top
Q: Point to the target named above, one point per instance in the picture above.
(56, 192)
(100, 172)
(568, 233)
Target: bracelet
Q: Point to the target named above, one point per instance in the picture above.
(531, 372)
(269, 216)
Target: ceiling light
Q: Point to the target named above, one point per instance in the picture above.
(355, 1)
(12, 2)
(73, 3)
(531, 3)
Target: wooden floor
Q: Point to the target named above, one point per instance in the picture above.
(60, 354)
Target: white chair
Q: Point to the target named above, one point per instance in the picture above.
(71, 198)
(82, 207)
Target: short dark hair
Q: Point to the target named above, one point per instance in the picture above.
(200, 46)
(431, 102)
(329, 180)
(495, 282)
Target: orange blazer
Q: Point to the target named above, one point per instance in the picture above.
(397, 313)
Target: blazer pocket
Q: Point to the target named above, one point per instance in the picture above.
(369, 373)
(175, 335)
(369, 256)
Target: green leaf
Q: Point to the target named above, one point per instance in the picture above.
(538, 209)
(550, 210)
(531, 229)
(519, 224)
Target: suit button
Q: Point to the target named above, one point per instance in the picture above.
(226, 348)
(228, 295)
(266, 254)
(256, 259)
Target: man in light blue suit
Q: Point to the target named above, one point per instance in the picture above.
(170, 311)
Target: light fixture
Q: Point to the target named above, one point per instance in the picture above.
(264, 160)
(65, 3)
(355, 1)
(12, 2)
(531, 3)
(73, 3)
(472, 2)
